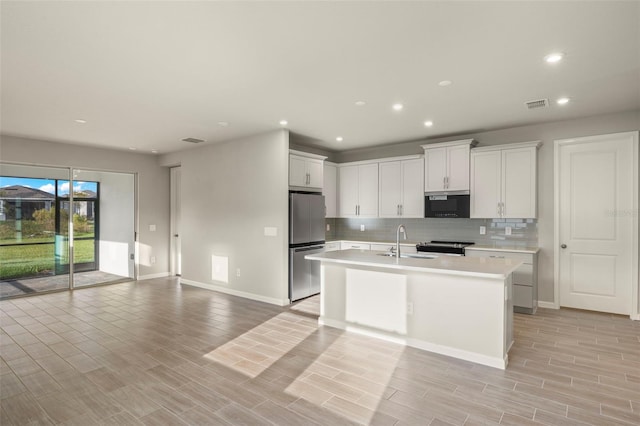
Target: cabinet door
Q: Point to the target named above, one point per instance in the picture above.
(368, 190)
(329, 189)
(485, 184)
(348, 191)
(519, 183)
(297, 171)
(390, 188)
(315, 170)
(458, 168)
(435, 169)
(412, 188)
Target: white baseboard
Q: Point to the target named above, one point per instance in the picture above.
(548, 305)
(226, 290)
(635, 317)
(151, 276)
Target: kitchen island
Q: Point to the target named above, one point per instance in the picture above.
(452, 305)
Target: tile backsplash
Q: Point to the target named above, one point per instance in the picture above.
(524, 232)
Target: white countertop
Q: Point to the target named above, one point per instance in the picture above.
(454, 265)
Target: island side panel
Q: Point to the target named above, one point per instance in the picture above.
(461, 316)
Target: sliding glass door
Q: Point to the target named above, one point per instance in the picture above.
(62, 228)
(34, 235)
(103, 227)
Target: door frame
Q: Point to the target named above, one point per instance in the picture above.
(175, 244)
(635, 279)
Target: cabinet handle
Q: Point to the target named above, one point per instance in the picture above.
(498, 209)
(502, 210)
(401, 209)
(356, 210)
(444, 182)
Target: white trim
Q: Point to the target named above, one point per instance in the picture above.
(152, 276)
(307, 155)
(419, 344)
(499, 147)
(635, 278)
(380, 160)
(244, 294)
(471, 142)
(548, 305)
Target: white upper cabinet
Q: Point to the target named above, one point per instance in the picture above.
(446, 166)
(400, 188)
(305, 170)
(329, 189)
(504, 181)
(358, 190)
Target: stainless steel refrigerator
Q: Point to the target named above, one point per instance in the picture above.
(306, 236)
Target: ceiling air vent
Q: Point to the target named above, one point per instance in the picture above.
(192, 140)
(540, 103)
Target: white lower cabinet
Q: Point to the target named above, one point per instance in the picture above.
(332, 246)
(525, 278)
(346, 245)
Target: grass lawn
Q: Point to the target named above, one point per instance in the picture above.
(30, 260)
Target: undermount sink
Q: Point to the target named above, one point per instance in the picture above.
(409, 255)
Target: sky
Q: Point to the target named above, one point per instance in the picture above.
(48, 185)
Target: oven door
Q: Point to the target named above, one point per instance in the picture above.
(446, 206)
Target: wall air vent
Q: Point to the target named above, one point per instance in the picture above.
(192, 140)
(539, 103)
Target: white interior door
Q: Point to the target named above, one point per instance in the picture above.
(176, 244)
(596, 195)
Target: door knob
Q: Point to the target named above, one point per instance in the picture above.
(564, 246)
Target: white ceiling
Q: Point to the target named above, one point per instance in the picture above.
(148, 74)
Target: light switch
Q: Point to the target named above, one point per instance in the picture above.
(362, 228)
(507, 230)
(270, 231)
(483, 230)
(152, 228)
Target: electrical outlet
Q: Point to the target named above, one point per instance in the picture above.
(328, 227)
(152, 228)
(362, 228)
(410, 308)
(507, 230)
(238, 272)
(483, 230)
(153, 260)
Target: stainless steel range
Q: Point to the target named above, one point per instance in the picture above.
(453, 248)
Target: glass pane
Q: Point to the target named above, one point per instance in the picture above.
(103, 227)
(32, 242)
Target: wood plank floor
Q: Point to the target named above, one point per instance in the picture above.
(157, 353)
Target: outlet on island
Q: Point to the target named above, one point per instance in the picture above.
(362, 228)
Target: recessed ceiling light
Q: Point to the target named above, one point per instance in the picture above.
(552, 58)
(132, 148)
(339, 139)
(360, 103)
(283, 122)
(223, 123)
(154, 151)
(81, 121)
(397, 107)
(428, 123)
(562, 101)
(444, 83)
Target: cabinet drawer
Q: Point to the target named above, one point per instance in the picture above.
(345, 245)
(332, 246)
(381, 247)
(522, 257)
(522, 296)
(523, 275)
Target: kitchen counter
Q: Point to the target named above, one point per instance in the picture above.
(451, 265)
(452, 305)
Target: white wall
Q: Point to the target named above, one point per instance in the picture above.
(547, 133)
(153, 186)
(230, 192)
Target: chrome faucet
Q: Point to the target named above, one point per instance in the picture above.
(404, 231)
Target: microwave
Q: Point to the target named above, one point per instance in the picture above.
(447, 205)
